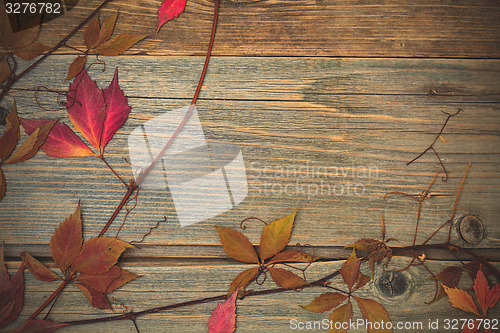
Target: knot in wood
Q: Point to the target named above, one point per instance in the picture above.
(471, 229)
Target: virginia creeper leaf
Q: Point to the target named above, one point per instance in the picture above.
(32, 144)
(95, 298)
(292, 256)
(107, 282)
(243, 279)
(236, 245)
(11, 294)
(223, 318)
(9, 139)
(61, 141)
(92, 33)
(373, 312)
(350, 269)
(39, 270)
(481, 289)
(38, 326)
(365, 244)
(76, 66)
(4, 70)
(117, 110)
(107, 29)
(286, 279)
(493, 296)
(3, 185)
(31, 51)
(66, 242)
(24, 38)
(361, 280)
(342, 314)
(461, 299)
(118, 44)
(4, 275)
(325, 302)
(275, 236)
(169, 10)
(86, 108)
(98, 255)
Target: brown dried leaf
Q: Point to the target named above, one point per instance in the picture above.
(9, 139)
(236, 245)
(350, 269)
(98, 255)
(24, 38)
(95, 298)
(109, 281)
(343, 314)
(461, 299)
(361, 281)
(118, 44)
(450, 277)
(365, 244)
(32, 144)
(286, 279)
(325, 302)
(4, 70)
(31, 51)
(76, 66)
(39, 270)
(275, 236)
(291, 256)
(92, 33)
(11, 293)
(106, 29)
(373, 312)
(3, 185)
(243, 279)
(66, 242)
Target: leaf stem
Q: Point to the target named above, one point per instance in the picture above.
(113, 170)
(51, 297)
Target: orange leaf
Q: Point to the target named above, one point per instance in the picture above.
(39, 270)
(66, 242)
(109, 281)
(350, 269)
(361, 280)
(106, 29)
(118, 44)
(236, 245)
(9, 139)
(32, 144)
(98, 255)
(223, 318)
(493, 296)
(374, 312)
(450, 277)
(31, 51)
(3, 186)
(286, 279)
(92, 33)
(481, 289)
(275, 236)
(243, 279)
(291, 256)
(95, 298)
(461, 299)
(341, 315)
(4, 70)
(325, 302)
(76, 66)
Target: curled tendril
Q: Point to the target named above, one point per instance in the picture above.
(129, 210)
(243, 227)
(150, 230)
(262, 272)
(98, 62)
(58, 101)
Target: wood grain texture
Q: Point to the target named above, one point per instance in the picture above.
(345, 28)
(172, 284)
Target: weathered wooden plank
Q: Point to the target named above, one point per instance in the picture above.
(401, 28)
(173, 284)
(384, 125)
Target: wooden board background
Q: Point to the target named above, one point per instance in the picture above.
(294, 83)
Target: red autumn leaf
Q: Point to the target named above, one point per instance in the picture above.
(107, 29)
(373, 312)
(286, 279)
(92, 33)
(450, 277)
(118, 44)
(243, 279)
(66, 242)
(291, 256)
(343, 314)
(76, 66)
(481, 289)
(39, 270)
(10, 137)
(3, 186)
(461, 299)
(31, 51)
(325, 302)
(236, 245)
(4, 70)
(223, 318)
(98, 255)
(350, 269)
(32, 144)
(95, 298)
(117, 110)
(11, 293)
(38, 326)
(107, 282)
(275, 236)
(86, 108)
(169, 10)
(61, 141)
